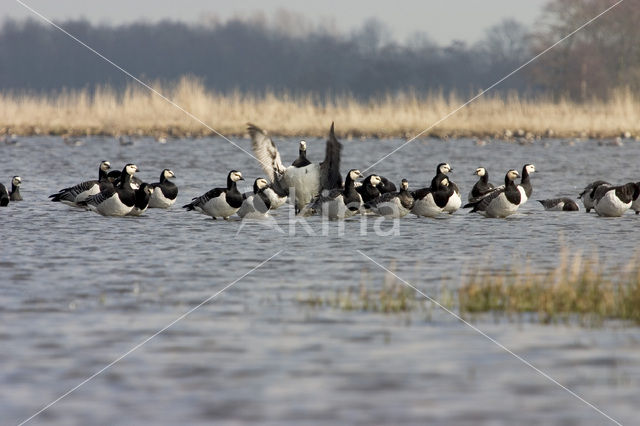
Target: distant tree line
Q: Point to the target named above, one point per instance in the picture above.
(252, 55)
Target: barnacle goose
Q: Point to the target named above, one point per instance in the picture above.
(219, 202)
(431, 201)
(589, 191)
(143, 197)
(337, 203)
(482, 187)
(115, 200)
(14, 195)
(4, 196)
(560, 204)
(80, 192)
(256, 204)
(164, 192)
(369, 189)
(308, 179)
(502, 202)
(613, 201)
(455, 201)
(393, 205)
(525, 181)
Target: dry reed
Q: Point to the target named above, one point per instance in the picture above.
(136, 111)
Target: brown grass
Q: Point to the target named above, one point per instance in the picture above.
(136, 111)
(578, 287)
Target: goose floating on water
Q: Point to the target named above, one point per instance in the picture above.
(454, 202)
(564, 204)
(165, 192)
(588, 193)
(4, 196)
(502, 202)
(256, 204)
(482, 187)
(219, 202)
(115, 200)
(432, 200)
(613, 201)
(14, 195)
(143, 197)
(394, 205)
(80, 192)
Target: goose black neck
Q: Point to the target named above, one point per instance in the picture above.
(485, 178)
(125, 179)
(15, 189)
(162, 177)
(525, 176)
(435, 182)
(102, 175)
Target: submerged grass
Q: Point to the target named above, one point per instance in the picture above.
(578, 287)
(136, 111)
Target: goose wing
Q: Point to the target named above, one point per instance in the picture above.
(72, 192)
(99, 198)
(483, 203)
(330, 177)
(266, 152)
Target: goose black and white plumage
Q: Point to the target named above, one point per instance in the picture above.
(455, 201)
(613, 201)
(14, 195)
(502, 202)
(256, 204)
(115, 200)
(525, 181)
(4, 196)
(308, 179)
(588, 193)
(337, 203)
(369, 190)
(482, 187)
(164, 192)
(393, 205)
(143, 197)
(432, 200)
(564, 204)
(80, 192)
(219, 202)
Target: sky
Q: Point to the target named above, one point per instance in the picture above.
(443, 20)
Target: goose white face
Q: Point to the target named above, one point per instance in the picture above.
(131, 169)
(530, 168)
(481, 171)
(445, 182)
(16, 181)
(513, 175)
(303, 146)
(262, 183)
(405, 184)
(168, 174)
(445, 168)
(105, 165)
(375, 180)
(355, 174)
(236, 176)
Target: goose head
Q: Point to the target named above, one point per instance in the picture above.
(167, 174)
(480, 171)
(404, 185)
(16, 181)
(444, 168)
(511, 176)
(354, 174)
(105, 165)
(260, 183)
(131, 169)
(235, 176)
(375, 180)
(529, 168)
(303, 145)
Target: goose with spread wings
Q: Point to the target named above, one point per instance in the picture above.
(306, 178)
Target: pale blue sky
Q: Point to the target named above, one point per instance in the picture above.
(442, 20)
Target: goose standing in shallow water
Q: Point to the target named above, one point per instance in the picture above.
(431, 201)
(74, 194)
(589, 191)
(454, 202)
(256, 204)
(613, 201)
(338, 203)
(564, 204)
(115, 200)
(503, 201)
(482, 187)
(165, 192)
(308, 179)
(394, 205)
(4, 196)
(143, 196)
(14, 195)
(219, 202)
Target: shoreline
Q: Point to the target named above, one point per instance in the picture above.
(134, 111)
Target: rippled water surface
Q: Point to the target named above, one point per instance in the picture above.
(79, 290)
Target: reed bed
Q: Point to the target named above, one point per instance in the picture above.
(579, 287)
(137, 111)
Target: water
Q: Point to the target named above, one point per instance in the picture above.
(79, 290)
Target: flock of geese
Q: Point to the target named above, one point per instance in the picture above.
(318, 188)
